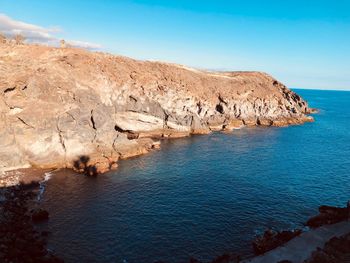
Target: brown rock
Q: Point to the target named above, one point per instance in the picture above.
(328, 215)
(234, 124)
(264, 122)
(218, 127)
(250, 122)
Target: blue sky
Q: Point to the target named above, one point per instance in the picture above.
(303, 43)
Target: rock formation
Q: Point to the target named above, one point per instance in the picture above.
(60, 105)
(336, 250)
(272, 239)
(329, 215)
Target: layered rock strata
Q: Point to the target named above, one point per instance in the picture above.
(77, 109)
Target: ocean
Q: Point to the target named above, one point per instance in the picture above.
(205, 195)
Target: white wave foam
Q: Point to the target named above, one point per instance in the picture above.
(48, 176)
(42, 185)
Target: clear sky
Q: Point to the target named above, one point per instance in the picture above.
(303, 43)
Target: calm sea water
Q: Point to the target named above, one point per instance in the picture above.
(205, 195)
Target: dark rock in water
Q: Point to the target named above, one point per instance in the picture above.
(336, 250)
(272, 239)
(19, 240)
(40, 215)
(329, 215)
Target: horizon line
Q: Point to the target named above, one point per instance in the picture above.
(327, 89)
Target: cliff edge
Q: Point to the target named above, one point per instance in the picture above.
(67, 107)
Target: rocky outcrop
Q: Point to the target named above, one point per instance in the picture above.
(329, 215)
(272, 239)
(58, 105)
(336, 250)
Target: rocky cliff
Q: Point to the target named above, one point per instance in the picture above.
(77, 109)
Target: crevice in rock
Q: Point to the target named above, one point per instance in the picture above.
(69, 114)
(166, 117)
(9, 89)
(21, 120)
(221, 99)
(92, 120)
(118, 129)
(199, 106)
(115, 147)
(132, 98)
(61, 138)
(129, 134)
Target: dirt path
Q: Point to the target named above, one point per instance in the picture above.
(300, 248)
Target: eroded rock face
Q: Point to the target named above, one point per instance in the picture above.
(57, 105)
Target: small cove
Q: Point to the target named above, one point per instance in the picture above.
(205, 195)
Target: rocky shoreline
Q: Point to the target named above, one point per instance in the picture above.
(333, 250)
(273, 239)
(329, 215)
(71, 108)
(336, 250)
